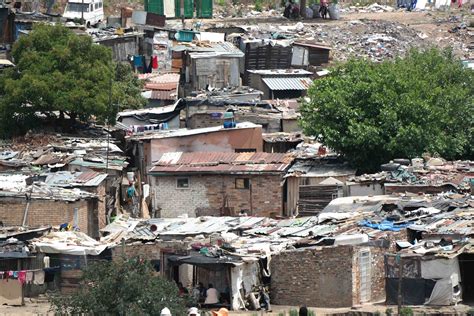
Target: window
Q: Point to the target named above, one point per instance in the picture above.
(96, 6)
(182, 183)
(77, 7)
(242, 183)
(245, 150)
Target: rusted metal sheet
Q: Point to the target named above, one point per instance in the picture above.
(222, 162)
(155, 19)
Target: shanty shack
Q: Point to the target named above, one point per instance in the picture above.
(216, 65)
(90, 181)
(42, 204)
(313, 183)
(309, 54)
(220, 183)
(336, 276)
(150, 145)
(280, 83)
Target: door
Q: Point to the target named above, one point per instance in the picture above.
(188, 8)
(154, 6)
(204, 8)
(365, 284)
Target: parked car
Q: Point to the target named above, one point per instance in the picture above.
(92, 11)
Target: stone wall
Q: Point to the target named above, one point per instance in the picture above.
(313, 277)
(206, 195)
(48, 212)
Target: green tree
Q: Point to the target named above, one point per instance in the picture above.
(124, 287)
(373, 112)
(60, 73)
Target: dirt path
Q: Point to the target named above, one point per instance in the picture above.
(31, 309)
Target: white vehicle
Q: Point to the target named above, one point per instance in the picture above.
(92, 11)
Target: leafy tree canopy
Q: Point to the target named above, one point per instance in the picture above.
(58, 73)
(124, 287)
(373, 112)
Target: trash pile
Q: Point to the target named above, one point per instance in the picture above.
(376, 40)
(243, 11)
(374, 7)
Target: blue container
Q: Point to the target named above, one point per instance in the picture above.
(229, 124)
(184, 36)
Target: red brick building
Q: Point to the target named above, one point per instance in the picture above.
(216, 184)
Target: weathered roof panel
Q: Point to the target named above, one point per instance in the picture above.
(300, 83)
(222, 162)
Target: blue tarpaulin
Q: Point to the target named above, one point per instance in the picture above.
(384, 225)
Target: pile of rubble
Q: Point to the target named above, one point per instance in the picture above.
(244, 11)
(374, 7)
(373, 39)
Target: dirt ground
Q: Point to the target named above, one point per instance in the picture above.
(40, 309)
(351, 35)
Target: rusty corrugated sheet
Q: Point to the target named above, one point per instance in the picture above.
(221, 168)
(223, 162)
(170, 86)
(86, 176)
(163, 95)
(165, 78)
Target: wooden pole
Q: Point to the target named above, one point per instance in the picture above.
(400, 278)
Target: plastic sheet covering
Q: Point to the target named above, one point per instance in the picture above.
(441, 3)
(243, 277)
(421, 4)
(414, 291)
(68, 243)
(446, 272)
(442, 293)
(439, 268)
(384, 225)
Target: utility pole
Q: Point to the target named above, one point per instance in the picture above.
(400, 278)
(181, 11)
(82, 12)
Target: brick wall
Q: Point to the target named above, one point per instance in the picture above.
(313, 277)
(377, 274)
(47, 212)
(206, 195)
(173, 202)
(200, 120)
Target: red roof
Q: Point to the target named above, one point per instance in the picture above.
(218, 162)
(161, 86)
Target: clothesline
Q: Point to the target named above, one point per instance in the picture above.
(34, 276)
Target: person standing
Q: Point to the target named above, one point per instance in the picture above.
(303, 311)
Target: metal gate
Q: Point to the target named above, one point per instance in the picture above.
(365, 284)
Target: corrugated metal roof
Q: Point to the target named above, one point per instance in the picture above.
(312, 45)
(78, 179)
(163, 95)
(281, 72)
(300, 83)
(183, 132)
(165, 78)
(202, 162)
(173, 86)
(315, 168)
(213, 49)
